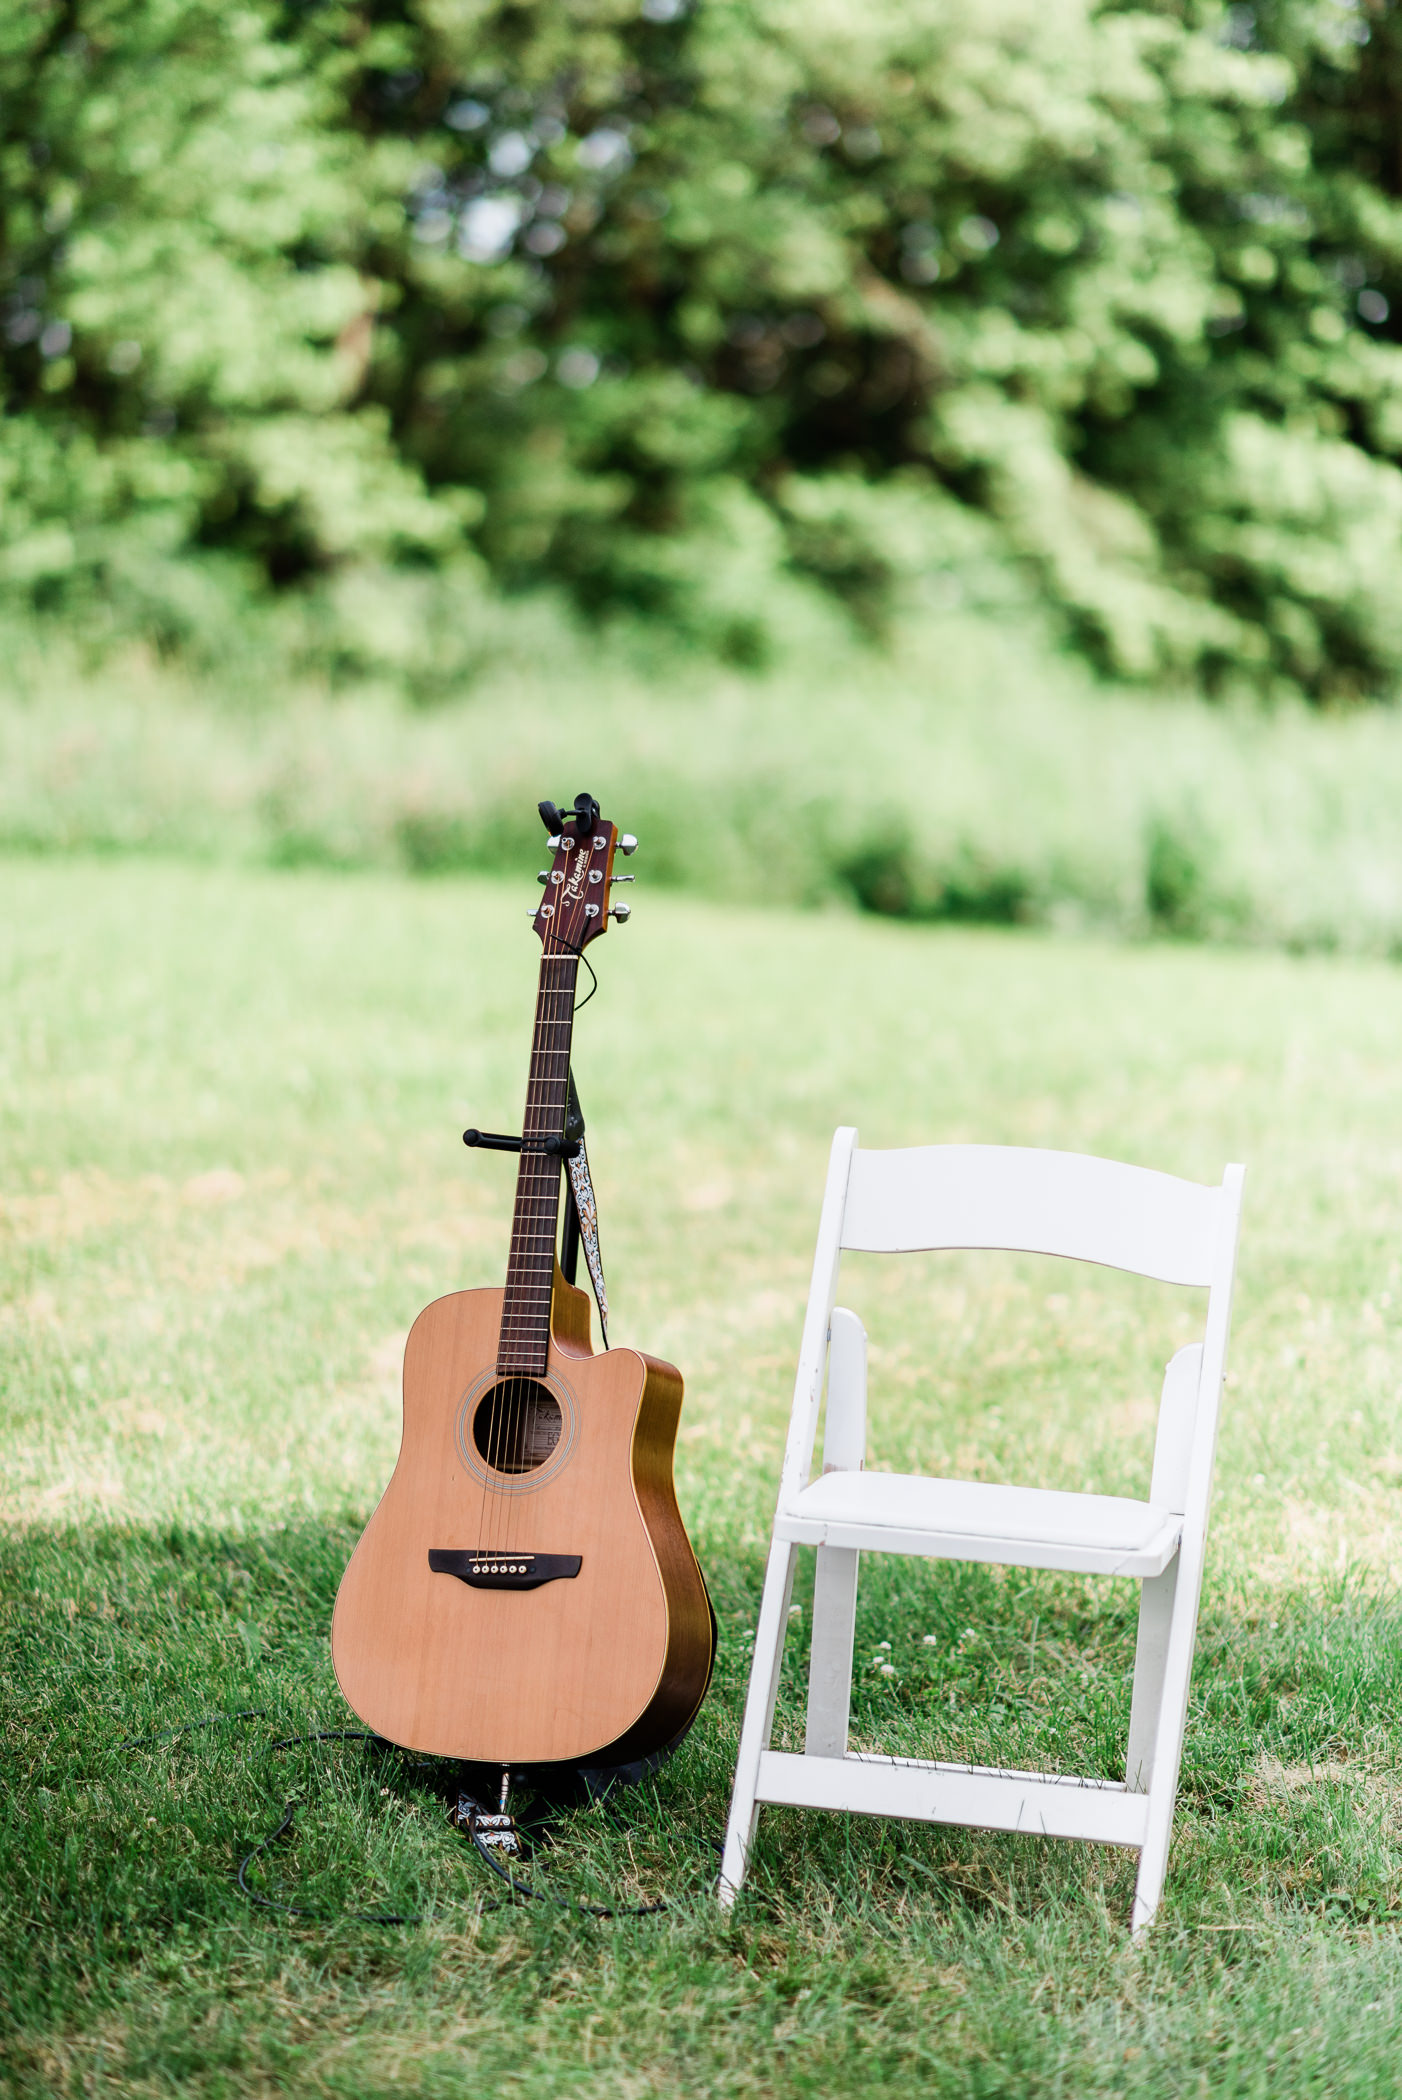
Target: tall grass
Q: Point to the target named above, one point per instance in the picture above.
(967, 774)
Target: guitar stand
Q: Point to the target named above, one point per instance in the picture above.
(496, 1829)
(564, 1148)
(560, 1784)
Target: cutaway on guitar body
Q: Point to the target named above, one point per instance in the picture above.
(469, 1658)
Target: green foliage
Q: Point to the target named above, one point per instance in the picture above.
(692, 308)
(183, 325)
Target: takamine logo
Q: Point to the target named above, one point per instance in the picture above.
(574, 881)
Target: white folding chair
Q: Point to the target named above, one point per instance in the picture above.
(990, 1196)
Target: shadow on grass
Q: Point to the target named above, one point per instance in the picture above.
(120, 1903)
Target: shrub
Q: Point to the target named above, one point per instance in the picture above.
(701, 309)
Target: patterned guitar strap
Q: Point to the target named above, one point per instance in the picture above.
(588, 1213)
(586, 1208)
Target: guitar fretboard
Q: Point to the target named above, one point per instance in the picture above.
(530, 1268)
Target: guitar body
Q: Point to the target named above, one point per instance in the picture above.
(566, 1619)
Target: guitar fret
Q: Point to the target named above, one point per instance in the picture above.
(530, 1270)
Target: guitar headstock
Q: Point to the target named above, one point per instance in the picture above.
(575, 908)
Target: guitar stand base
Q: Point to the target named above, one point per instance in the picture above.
(493, 1830)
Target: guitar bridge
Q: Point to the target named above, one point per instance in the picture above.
(481, 1570)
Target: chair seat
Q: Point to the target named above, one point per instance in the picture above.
(972, 1520)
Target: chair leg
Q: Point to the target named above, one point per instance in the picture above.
(1150, 1655)
(830, 1660)
(835, 1583)
(759, 1717)
(1162, 1786)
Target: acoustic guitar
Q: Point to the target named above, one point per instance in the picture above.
(525, 1594)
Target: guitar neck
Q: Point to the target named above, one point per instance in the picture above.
(530, 1268)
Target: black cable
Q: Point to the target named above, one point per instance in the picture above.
(519, 1889)
(328, 1735)
(166, 1735)
(301, 1910)
(579, 1004)
(321, 1735)
(566, 1903)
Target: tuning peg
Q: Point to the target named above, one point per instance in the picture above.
(627, 845)
(555, 843)
(543, 877)
(623, 878)
(622, 912)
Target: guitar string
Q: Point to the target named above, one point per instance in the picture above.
(512, 1401)
(502, 1398)
(502, 1401)
(526, 1232)
(522, 1391)
(534, 1208)
(550, 1109)
(505, 1396)
(509, 1400)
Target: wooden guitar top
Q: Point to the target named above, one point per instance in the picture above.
(496, 1655)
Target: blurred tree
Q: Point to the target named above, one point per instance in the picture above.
(677, 303)
(183, 323)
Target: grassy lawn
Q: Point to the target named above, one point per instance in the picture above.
(230, 1105)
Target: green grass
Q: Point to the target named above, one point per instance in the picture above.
(230, 1105)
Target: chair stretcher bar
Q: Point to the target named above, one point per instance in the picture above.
(1038, 1803)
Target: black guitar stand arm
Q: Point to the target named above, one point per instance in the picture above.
(565, 1147)
(495, 1141)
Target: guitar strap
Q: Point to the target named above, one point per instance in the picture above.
(587, 1211)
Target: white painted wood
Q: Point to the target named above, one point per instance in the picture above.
(1040, 1202)
(798, 1458)
(845, 1431)
(1001, 1553)
(975, 1520)
(1173, 1448)
(1182, 1637)
(835, 1577)
(1054, 1203)
(980, 1798)
(758, 1723)
(812, 1354)
(1156, 1599)
(1173, 1443)
(830, 1655)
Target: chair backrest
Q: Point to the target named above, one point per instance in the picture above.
(1000, 1196)
(1039, 1202)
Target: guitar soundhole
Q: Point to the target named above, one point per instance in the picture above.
(517, 1425)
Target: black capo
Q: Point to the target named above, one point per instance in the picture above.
(584, 816)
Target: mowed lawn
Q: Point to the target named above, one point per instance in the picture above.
(231, 1173)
